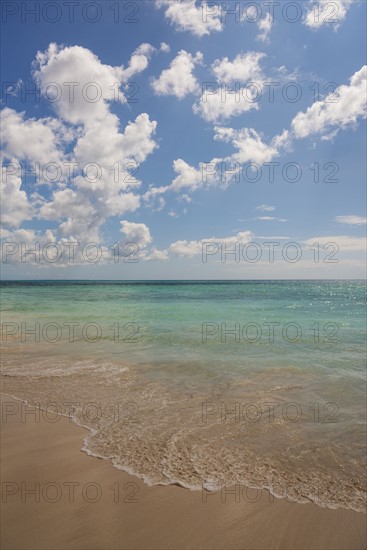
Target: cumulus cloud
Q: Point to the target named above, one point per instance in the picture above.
(14, 202)
(265, 26)
(265, 208)
(33, 140)
(165, 47)
(326, 117)
(89, 132)
(85, 200)
(337, 111)
(136, 239)
(38, 248)
(92, 199)
(178, 79)
(157, 255)
(79, 85)
(249, 144)
(271, 219)
(344, 243)
(352, 220)
(325, 12)
(214, 108)
(188, 178)
(105, 145)
(244, 67)
(192, 248)
(199, 18)
(235, 90)
(251, 147)
(45, 249)
(136, 232)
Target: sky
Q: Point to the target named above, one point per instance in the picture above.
(166, 139)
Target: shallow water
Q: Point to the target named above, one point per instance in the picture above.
(202, 384)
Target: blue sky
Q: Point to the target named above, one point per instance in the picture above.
(181, 60)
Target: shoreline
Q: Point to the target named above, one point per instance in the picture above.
(55, 496)
(210, 487)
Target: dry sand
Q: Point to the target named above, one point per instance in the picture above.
(48, 454)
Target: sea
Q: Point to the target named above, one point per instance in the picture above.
(202, 384)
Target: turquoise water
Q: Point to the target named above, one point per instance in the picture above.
(186, 354)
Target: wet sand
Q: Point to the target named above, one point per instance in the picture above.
(86, 503)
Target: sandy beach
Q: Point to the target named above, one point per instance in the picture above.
(79, 501)
(183, 275)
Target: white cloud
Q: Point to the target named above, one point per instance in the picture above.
(136, 238)
(81, 205)
(105, 145)
(236, 90)
(345, 243)
(34, 140)
(274, 238)
(222, 105)
(65, 203)
(352, 220)
(165, 47)
(14, 202)
(92, 84)
(282, 141)
(185, 198)
(41, 249)
(188, 177)
(79, 103)
(336, 111)
(136, 232)
(322, 117)
(178, 80)
(185, 15)
(245, 67)
(265, 208)
(84, 212)
(325, 12)
(219, 171)
(84, 205)
(271, 219)
(265, 26)
(192, 248)
(252, 148)
(157, 255)
(249, 144)
(87, 204)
